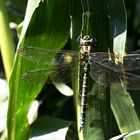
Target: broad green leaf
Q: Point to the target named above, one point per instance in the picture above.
(48, 26)
(50, 128)
(125, 114)
(121, 102)
(87, 19)
(103, 20)
(91, 18)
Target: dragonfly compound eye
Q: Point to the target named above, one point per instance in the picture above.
(88, 41)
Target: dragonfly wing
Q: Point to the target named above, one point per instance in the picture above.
(105, 60)
(36, 76)
(102, 75)
(106, 77)
(64, 74)
(37, 55)
(57, 74)
(47, 57)
(130, 81)
(130, 62)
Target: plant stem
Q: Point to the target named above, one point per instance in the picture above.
(6, 41)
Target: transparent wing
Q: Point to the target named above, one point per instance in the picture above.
(106, 77)
(130, 62)
(36, 76)
(57, 74)
(61, 63)
(48, 57)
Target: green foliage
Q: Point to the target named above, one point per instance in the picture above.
(53, 25)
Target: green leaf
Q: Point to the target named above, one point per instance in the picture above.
(123, 109)
(48, 26)
(121, 101)
(76, 12)
(31, 6)
(106, 21)
(91, 18)
(50, 128)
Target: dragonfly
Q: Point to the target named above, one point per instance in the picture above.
(93, 63)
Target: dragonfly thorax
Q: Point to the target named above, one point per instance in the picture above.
(87, 44)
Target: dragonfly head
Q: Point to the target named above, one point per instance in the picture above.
(88, 41)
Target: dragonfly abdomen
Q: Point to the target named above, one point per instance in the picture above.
(84, 96)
